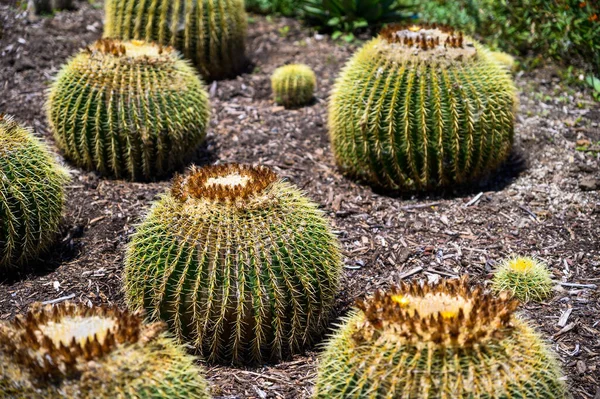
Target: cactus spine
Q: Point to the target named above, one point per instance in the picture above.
(31, 194)
(293, 85)
(432, 342)
(76, 352)
(505, 60)
(211, 33)
(237, 262)
(421, 108)
(128, 109)
(526, 278)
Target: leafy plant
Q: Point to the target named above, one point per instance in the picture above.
(341, 16)
(283, 7)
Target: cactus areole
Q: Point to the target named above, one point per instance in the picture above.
(237, 262)
(449, 340)
(421, 107)
(79, 352)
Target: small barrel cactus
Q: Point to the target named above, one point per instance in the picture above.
(211, 33)
(237, 262)
(421, 108)
(437, 341)
(71, 351)
(128, 109)
(31, 194)
(526, 278)
(504, 59)
(293, 85)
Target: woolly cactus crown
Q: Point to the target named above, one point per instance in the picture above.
(31, 194)
(421, 107)
(128, 109)
(92, 352)
(435, 341)
(237, 262)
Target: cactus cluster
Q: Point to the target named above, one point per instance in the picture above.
(128, 109)
(293, 85)
(528, 279)
(69, 351)
(237, 262)
(437, 341)
(211, 33)
(31, 194)
(420, 108)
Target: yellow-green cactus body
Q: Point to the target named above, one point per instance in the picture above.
(526, 278)
(128, 109)
(293, 85)
(421, 108)
(211, 33)
(505, 60)
(80, 353)
(238, 263)
(31, 194)
(437, 342)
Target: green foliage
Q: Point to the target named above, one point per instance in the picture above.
(237, 262)
(432, 342)
(348, 16)
(283, 7)
(412, 115)
(31, 194)
(526, 278)
(293, 85)
(76, 352)
(128, 109)
(566, 30)
(211, 33)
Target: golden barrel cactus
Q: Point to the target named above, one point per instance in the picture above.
(421, 107)
(526, 278)
(238, 263)
(31, 194)
(293, 85)
(128, 109)
(437, 341)
(211, 33)
(76, 352)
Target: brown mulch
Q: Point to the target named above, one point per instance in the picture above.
(544, 202)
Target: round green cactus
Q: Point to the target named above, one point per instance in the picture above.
(237, 262)
(128, 109)
(437, 341)
(72, 351)
(211, 33)
(526, 278)
(31, 194)
(421, 108)
(293, 85)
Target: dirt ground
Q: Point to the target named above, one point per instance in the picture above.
(544, 202)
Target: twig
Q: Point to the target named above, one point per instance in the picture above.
(474, 200)
(411, 272)
(575, 285)
(419, 206)
(57, 300)
(564, 318)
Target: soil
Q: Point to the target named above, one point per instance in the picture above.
(545, 202)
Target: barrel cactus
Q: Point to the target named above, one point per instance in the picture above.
(504, 59)
(74, 352)
(211, 33)
(31, 194)
(128, 109)
(526, 278)
(421, 108)
(238, 263)
(293, 85)
(437, 341)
